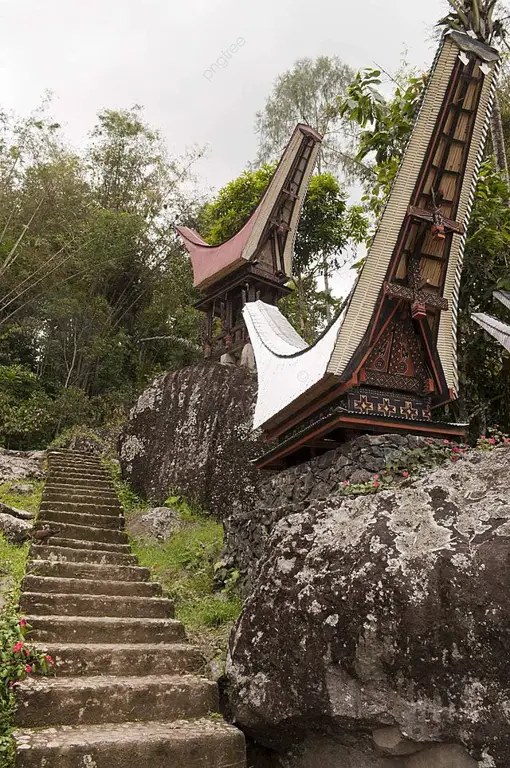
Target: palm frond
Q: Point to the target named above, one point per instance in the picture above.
(460, 10)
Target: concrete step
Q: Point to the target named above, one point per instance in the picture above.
(54, 493)
(62, 604)
(87, 533)
(62, 543)
(78, 465)
(74, 462)
(48, 584)
(83, 508)
(85, 554)
(199, 744)
(80, 518)
(47, 701)
(73, 483)
(124, 659)
(88, 571)
(104, 629)
(76, 473)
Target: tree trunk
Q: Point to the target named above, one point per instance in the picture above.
(301, 305)
(327, 289)
(498, 139)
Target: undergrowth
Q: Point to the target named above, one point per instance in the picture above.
(414, 463)
(27, 501)
(17, 658)
(188, 566)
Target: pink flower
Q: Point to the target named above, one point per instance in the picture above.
(345, 483)
(506, 439)
(12, 683)
(376, 477)
(28, 669)
(446, 442)
(483, 437)
(376, 483)
(17, 648)
(491, 441)
(405, 473)
(456, 449)
(23, 623)
(49, 659)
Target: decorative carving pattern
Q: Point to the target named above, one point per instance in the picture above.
(386, 408)
(391, 405)
(364, 405)
(395, 381)
(379, 359)
(397, 360)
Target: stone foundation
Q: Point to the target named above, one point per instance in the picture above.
(281, 494)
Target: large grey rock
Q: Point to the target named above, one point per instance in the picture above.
(20, 465)
(385, 610)
(323, 752)
(191, 433)
(22, 488)
(248, 526)
(15, 530)
(158, 523)
(21, 514)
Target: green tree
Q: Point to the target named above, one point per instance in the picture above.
(385, 124)
(90, 268)
(307, 93)
(327, 230)
(221, 218)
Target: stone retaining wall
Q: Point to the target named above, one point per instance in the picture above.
(293, 490)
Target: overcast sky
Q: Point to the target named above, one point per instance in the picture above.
(116, 53)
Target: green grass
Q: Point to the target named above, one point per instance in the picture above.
(27, 501)
(185, 566)
(129, 500)
(13, 557)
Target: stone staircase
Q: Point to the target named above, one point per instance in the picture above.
(127, 690)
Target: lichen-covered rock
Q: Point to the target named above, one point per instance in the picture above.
(191, 433)
(14, 529)
(21, 514)
(391, 610)
(158, 523)
(248, 526)
(20, 465)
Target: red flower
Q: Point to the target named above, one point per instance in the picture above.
(491, 441)
(456, 449)
(23, 623)
(376, 477)
(28, 669)
(49, 659)
(345, 483)
(17, 648)
(405, 473)
(376, 483)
